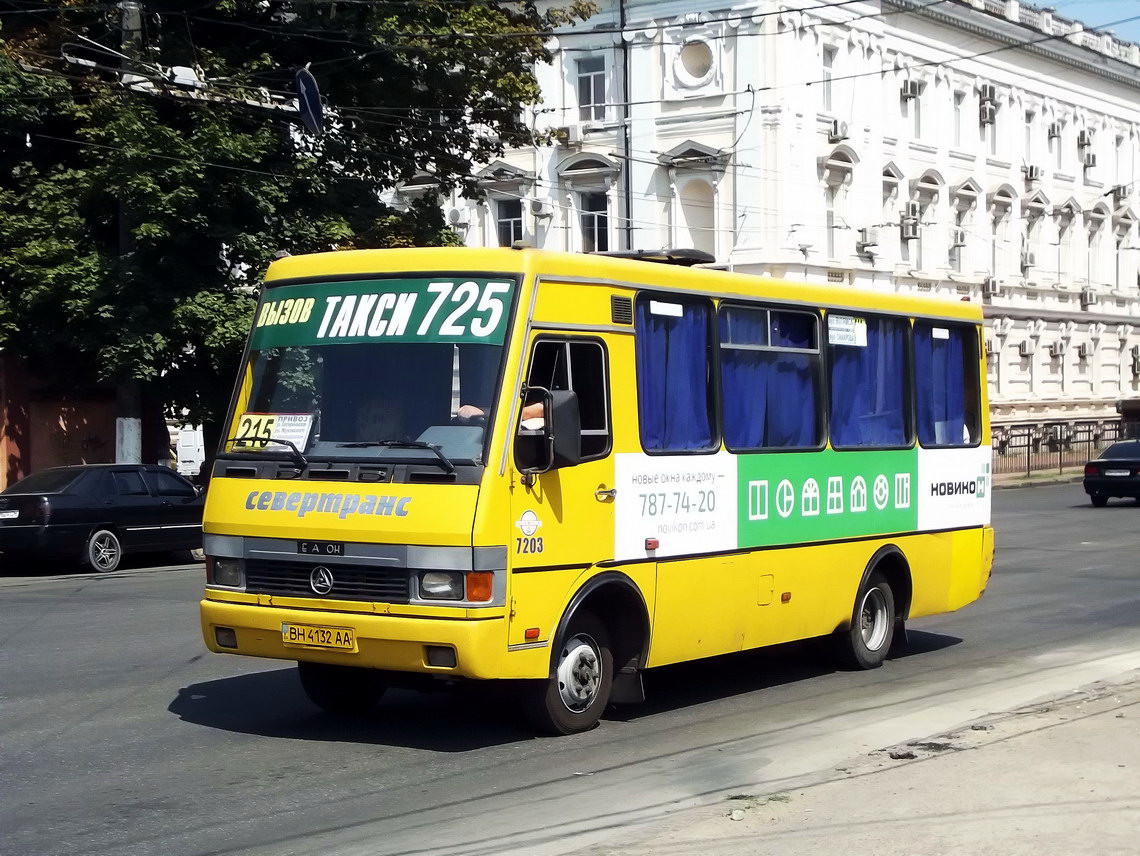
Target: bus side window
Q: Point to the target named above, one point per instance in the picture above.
(771, 385)
(946, 384)
(674, 389)
(867, 358)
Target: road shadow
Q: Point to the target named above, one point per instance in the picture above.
(701, 681)
(467, 716)
(1114, 504)
(463, 718)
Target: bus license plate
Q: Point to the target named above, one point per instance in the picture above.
(321, 548)
(342, 638)
(1118, 472)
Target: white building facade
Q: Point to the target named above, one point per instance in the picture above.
(983, 150)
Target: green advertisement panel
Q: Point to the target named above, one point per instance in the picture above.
(437, 309)
(792, 498)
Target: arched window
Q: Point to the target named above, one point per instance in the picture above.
(1001, 203)
(1095, 233)
(588, 178)
(926, 192)
(838, 170)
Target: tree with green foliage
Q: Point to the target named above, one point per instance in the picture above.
(138, 209)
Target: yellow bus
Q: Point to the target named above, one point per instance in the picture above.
(562, 470)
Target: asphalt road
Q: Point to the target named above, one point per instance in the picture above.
(120, 734)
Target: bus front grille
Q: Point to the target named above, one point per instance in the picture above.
(294, 579)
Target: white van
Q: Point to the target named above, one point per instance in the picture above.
(191, 451)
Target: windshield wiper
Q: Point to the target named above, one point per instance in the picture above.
(444, 461)
(299, 460)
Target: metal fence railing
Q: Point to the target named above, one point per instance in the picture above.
(1059, 446)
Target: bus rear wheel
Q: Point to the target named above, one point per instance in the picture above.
(866, 643)
(573, 698)
(343, 690)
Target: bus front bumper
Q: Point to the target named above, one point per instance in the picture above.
(398, 643)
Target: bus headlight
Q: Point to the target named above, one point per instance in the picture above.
(228, 572)
(441, 585)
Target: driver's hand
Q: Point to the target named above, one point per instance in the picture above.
(469, 411)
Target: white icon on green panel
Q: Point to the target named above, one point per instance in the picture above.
(758, 500)
(882, 492)
(834, 494)
(902, 490)
(809, 498)
(858, 494)
(785, 498)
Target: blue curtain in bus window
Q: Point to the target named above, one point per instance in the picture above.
(792, 393)
(769, 396)
(672, 378)
(744, 378)
(940, 380)
(868, 387)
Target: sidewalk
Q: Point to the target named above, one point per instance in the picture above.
(1058, 778)
(1038, 478)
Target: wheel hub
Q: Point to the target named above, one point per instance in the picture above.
(873, 619)
(579, 674)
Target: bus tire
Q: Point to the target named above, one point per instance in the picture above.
(573, 698)
(343, 690)
(866, 643)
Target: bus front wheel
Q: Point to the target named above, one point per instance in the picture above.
(573, 698)
(865, 644)
(343, 690)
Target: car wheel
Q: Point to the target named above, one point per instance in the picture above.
(103, 552)
(574, 697)
(866, 643)
(1099, 500)
(343, 690)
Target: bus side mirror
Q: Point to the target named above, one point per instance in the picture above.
(565, 428)
(558, 443)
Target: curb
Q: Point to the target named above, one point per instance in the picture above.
(1039, 482)
(19, 581)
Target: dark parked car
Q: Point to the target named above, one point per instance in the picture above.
(1115, 473)
(96, 513)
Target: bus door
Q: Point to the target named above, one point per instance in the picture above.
(562, 519)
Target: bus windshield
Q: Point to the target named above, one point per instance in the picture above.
(366, 370)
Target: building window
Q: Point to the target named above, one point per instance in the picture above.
(674, 394)
(509, 220)
(829, 204)
(839, 168)
(1028, 154)
(1118, 166)
(767, 359)
(1065, 249)
(695, 63)
(1056, 149)
(593, 211)
(992, 132)
(592, 89)
(914, 105)
(959, 104)
(946, 382)
(959, 236)
(828, 70)
(868, 381)
(1095, 222)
